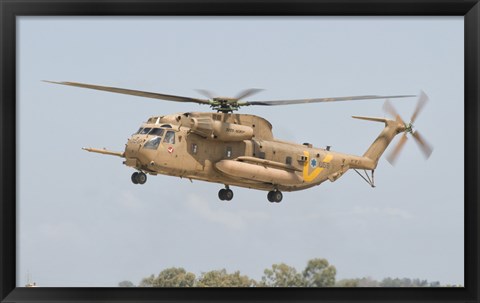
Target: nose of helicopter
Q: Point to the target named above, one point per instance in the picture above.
(131, 147)
(141, 149)
(135, 150)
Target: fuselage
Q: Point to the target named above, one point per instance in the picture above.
(232, 149)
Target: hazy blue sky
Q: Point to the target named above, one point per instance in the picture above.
(83, 223)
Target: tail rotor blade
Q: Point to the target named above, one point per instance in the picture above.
(424, 146)
(388, 107)
(422, 100)
(392, 157)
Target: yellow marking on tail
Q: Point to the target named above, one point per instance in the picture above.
(309, 177)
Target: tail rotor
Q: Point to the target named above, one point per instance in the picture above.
(425, 147)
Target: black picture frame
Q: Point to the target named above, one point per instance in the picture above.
(10, 9)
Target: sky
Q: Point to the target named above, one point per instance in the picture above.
(81, 222)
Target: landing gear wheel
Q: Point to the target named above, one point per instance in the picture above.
(275, 196)
(134, 178)
(221, 194)
(141, 178)
(269, 196)
(225, 194)
(228, 194)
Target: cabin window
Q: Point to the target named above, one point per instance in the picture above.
(194, 148)
(145, 130)
(288, 160)
(228, 152)
(261, 155)
(170, 137)
(153, 143)
(166, 125)
(156, 132)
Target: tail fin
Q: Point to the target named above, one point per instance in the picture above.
(378, 147)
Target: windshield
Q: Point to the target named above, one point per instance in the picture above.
(150, 131)
(153, 143)
(145, 130)
(156, 132)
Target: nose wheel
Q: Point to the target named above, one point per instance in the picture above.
(275, 196)
(225, 194)
(139, 178)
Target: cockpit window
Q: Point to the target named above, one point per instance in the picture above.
(156, 132)
(170, 137)
(145, 130)
(153, 143)
(139, 130)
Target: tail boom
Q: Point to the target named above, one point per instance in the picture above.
(378, 147)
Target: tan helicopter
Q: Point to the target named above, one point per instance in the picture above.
(240, 149)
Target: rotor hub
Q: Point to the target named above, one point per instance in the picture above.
(409, 128)
(225, 99)
(224, 105)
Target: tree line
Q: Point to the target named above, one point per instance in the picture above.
(317, 273)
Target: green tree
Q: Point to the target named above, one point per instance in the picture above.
(397, 282)
(348, 283)
(367, 282)
(386, 282)
(220, 278)
(406, 282)
(126, 284)
(319, 273)
(389, 282)
(282, 275)
(148, 282)
(170, 277)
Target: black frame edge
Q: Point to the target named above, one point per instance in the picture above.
(472, 126)
(10, 9)
(7, 152)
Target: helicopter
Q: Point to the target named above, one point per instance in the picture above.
(240, 150)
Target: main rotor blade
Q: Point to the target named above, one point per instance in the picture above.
(247, 93)
(210, 95)
(134, 92)
(388, 107)
(315, 100)
(392, 157)
(424, 146)
(422, 100)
